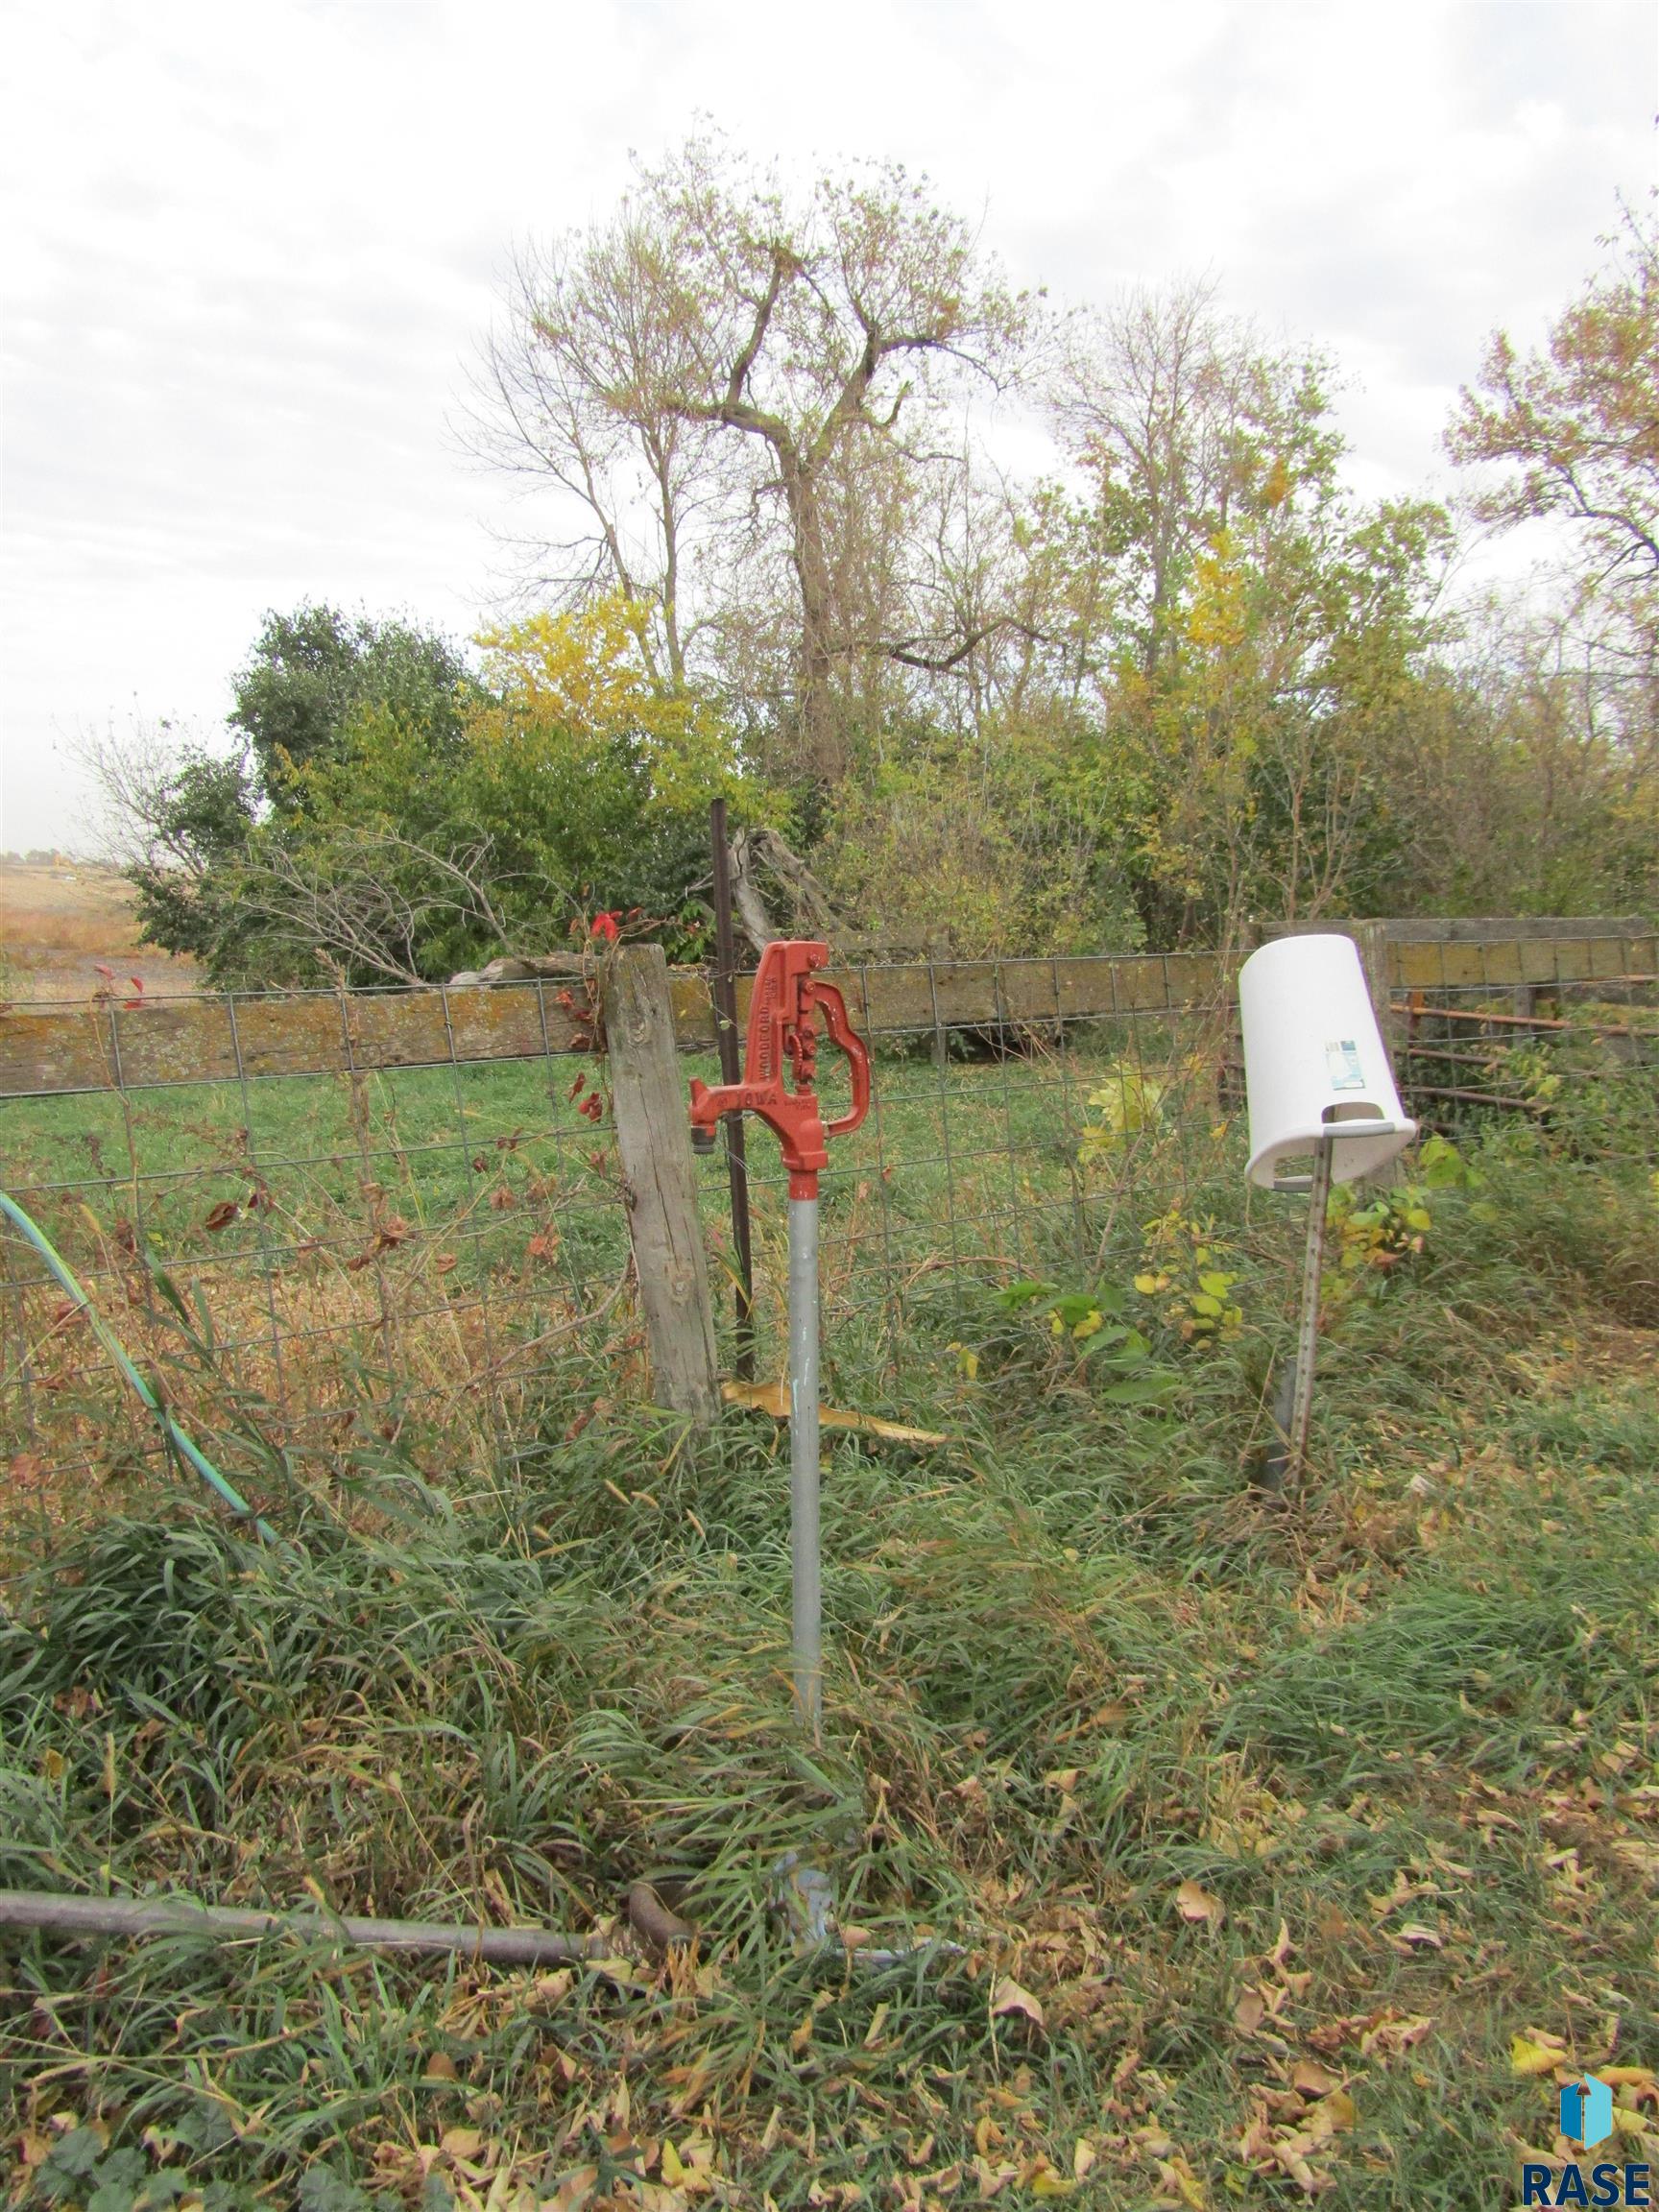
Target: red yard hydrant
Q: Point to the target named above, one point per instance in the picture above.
(783, 1040)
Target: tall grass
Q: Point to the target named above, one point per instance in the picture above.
(1204, 1852)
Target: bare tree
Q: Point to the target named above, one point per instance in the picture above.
(575, 388)
(367, 899)
(751, 358)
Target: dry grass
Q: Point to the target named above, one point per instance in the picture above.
(58, 923)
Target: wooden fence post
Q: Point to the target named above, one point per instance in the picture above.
(654, 1139)
(1372, 939)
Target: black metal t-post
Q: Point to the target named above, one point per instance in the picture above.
(723, 991)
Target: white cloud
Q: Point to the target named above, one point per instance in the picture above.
(248, 252)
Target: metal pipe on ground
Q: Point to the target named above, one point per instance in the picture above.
(133, 1916)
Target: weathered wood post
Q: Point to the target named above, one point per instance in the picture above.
(1372, 939)
(653, 1140)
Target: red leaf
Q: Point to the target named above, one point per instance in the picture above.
(222, 1216)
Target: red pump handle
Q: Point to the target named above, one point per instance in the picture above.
(783, 1031)
(841, 1030)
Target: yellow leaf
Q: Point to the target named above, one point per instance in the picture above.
(1176, 2174)
(1334, 2113)
(774, 1398)
(574, 2189)
(461, 2141)
(1083, 2157)
(673, 2172)
(1044, 2181)
(1193, 1901)
(1312, 2079)
(1009, 1997)
(1146, 1285)
(1526, 2056)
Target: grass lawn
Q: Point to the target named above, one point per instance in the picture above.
(1240, 1842)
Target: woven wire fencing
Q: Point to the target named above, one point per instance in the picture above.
(1037, 1147)
(1573, 1059)
(308, 1268)
(430, 1263)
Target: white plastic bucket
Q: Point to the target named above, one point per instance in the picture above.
(1315, 1063)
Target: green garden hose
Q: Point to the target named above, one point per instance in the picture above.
(118, 1351)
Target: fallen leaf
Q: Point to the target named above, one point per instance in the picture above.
(440, 2067)
(1395, 2032)
(1195, 1903)
(1415, 1936)
(1084, 2156)
(1176, 2175)
(222, 1216)
(1528, 2055)
(1009, 1997)
(573, 2191)
(1312, 2079)
(1041, 2180)
(1249, 2013)
(1333, 2114)
(774, 1398)
(461, 2142)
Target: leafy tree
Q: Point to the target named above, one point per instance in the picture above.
(1575, 427)
(312, 671)
(574, 784)
(199, 813)
(1577, 424)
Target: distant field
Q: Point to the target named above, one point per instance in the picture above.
(57, 923)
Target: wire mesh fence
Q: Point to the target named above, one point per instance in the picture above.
(305, 1263)
(431, 1261)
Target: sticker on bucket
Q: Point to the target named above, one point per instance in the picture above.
(1342, 1062)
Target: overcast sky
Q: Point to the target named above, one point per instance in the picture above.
(248, 252)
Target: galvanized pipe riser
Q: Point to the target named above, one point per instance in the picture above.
(807, 1595)
(1307, 1330)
